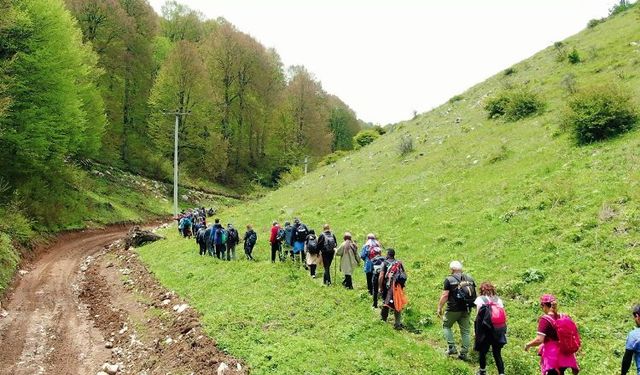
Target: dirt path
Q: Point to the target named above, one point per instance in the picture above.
(46, 331)
(86, 288)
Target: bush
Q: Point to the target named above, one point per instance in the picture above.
(595, 22)
(8, 261)
(514, 104)
(599, 113)
(622, 6)
(509, 71)
(456, 98)
(568, 83)
(333, 157)
(574, 57)
(365, 137)
(406, 145)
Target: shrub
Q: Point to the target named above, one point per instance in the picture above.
(568, 83)
(8, 261)
(333, 157)
(599, 113)
(380, 130)
(574, 56)
(561, 51)
(622, 6)
(514, 104)
(365, 137)
(456, 98)
(509, 71)
(595, 22)
(406, 145)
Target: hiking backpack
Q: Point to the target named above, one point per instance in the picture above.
(280, 235)
(465, 291)
(498, 315)
(221, 236)
(301, 232)
(395, 268)
(329, 242)
(233, 236)
(374, 250)
(567, 331)
(377, 262)
(312, 245)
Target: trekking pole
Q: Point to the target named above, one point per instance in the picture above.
(335, 266)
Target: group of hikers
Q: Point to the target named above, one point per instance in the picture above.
(556, 336)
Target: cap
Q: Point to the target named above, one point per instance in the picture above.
(548, 298)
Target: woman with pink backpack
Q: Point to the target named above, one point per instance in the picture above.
(490, 327)
(558, 339)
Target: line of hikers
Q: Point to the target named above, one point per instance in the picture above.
(556, 336)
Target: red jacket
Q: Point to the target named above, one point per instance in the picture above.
(274, 233)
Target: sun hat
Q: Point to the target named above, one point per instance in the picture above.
(548, 298)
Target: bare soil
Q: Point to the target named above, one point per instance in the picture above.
(87, 301)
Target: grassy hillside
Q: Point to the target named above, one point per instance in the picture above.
(518, 202)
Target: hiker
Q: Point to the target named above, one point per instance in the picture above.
(555, 336)
(632, 347)
(348, 253)
(288, 240)
(459, 293)
(376, 265)
(490, 327)
(299, 236)
(391, 282)
(201, 240)
(250, 240)
(232, 240)
(370, 250)
(219, 239)
(327, 244)
(312, 250)
(208, 238)
(274, 240)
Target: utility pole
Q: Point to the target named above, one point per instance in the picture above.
(306, 164)
(176, 113)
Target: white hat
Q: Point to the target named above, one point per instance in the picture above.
(455, 265)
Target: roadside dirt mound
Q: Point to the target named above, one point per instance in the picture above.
(149, 329)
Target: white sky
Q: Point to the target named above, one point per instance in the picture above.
(386, 58)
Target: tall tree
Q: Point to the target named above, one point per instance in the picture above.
(182, 85)
(343, 123)
(179, 22)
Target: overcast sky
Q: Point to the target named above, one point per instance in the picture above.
(387, 58)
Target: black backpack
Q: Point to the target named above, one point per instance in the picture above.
(312, 245)
(329, 242)
(301, 232)
(280, 235)
(465, 292)
(233, 235)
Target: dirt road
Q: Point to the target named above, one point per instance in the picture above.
(46, 330)
(87, 302)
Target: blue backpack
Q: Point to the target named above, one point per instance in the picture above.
(220, 237)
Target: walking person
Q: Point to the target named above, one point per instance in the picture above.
(219, 239)
(391, 282)
(313, 258)
(201, 240)
(632, 347)
(275, 241)
(348, 253)
(459, 293)
(377, 265)
(250, 240)
(327, 244)
(370, 250)
(558, 339)
(233, 238)
(490, 327)
(287, 243)
(299, 236)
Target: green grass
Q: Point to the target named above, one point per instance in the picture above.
(510, 200)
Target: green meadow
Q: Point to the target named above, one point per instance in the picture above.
(519, 203)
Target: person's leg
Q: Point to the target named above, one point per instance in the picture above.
(274, 250)
(327, 258)
(482, 358)
(349, 280)
(398, 319)
(375, 289)
(450, 317)
(465, 332)
(384, 313)
(497, 357)
(233, 252)
(369, 275)
(312, 270)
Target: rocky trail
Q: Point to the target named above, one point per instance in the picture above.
(86, 305)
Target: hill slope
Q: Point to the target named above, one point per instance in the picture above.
(518, 203)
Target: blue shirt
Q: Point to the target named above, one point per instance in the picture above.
(633, 343)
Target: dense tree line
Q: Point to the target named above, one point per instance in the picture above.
(91, 79)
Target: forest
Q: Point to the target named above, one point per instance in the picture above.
(96, 80)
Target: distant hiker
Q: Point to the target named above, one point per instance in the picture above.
(232, 240)
(288, 239)
(348, 253)
(208, 237)
(558, 338)
(250, 240)
(327, 244)
(211, 212)
(391, 282)
(459, 293)
(377, 265)
(219, 235)
(201, 240)
(490, 327)
(275, 241)
(370, 250)
(186, 226)
(632, 347)
(299, 236)
(312, 249)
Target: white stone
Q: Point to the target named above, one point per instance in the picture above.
(222, 369)
(110, 369)
(23, 272)
(180, 308)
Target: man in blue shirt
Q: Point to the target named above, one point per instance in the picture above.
(633, 345)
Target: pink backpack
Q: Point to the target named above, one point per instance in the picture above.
(568, 335)
(498, 315)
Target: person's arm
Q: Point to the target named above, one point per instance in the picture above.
(539, 340)
(443, 299)
(381, 280)
(626, 361)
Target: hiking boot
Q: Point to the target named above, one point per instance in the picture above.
(481, 372)
(451, 351)
(463, 357)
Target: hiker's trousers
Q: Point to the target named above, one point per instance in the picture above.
(464, 322)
